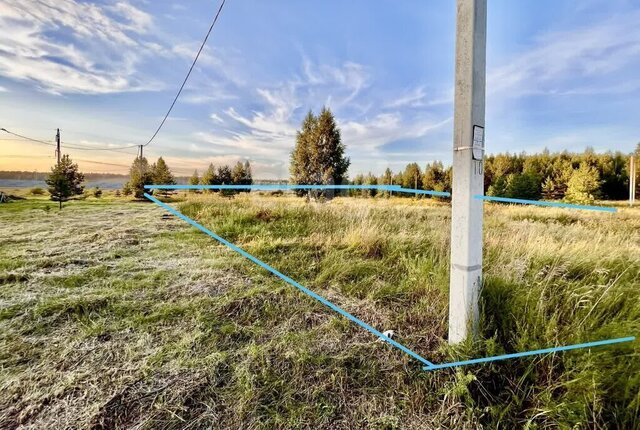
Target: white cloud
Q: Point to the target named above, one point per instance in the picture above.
(216, 118)
(269, 130)
(350, 79)
(215, 63)
(66, 46)
(564, 59)
(419, 98)
(370, 135)
(413, 98)
(3, 90)
(137, 20)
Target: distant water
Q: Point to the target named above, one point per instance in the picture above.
(25, 183)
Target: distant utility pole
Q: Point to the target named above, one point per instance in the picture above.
(58, 145)
(140, 151)
(468, 170)
(632, 181)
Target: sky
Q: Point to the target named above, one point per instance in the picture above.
(561, 74)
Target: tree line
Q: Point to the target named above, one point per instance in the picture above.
(142, 174)
(573, 177)
(318, 158)
(240, 174)
(66, 181)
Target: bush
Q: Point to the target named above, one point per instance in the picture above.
(36, 191)
(584, 185)
(523, 186)
(97, 193)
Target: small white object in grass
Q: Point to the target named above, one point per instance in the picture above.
(388, 333)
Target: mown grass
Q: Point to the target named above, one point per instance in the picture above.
(114, 318)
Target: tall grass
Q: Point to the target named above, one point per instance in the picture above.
(551, 277)
(111, 317)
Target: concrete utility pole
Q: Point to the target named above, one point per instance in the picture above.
(468, 170)
(632, 181)
(58, 145)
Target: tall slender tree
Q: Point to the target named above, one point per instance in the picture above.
(225, 177)
(139, 175)
(412, 177)
(65, 180)
(318, 157)
(194, 180)
(161, 175)
(248, 174)
(210, 177)
(241, 174)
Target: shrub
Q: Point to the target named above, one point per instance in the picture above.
(36, 191)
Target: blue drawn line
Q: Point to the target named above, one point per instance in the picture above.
(543, 203)
(528, 353)
(273, 187)
(429, 365)
(276, 187)
(290, 281)
(427, 192)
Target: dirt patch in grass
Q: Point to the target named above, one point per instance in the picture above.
(209, 283)
(154, 399)
(11, 278)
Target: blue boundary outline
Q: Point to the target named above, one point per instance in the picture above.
(429, 365)
(545, 203)
(532, 352)
(396, 188)
(290, 281)
(276, 187)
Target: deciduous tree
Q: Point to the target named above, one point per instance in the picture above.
(583, 185)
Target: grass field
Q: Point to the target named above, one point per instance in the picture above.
(112, 317)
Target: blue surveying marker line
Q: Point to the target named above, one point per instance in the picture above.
(272, 187)
(291, 281)
(528, 353)
(427, 192)
(276, 187)
(429, 365)
(543, 203)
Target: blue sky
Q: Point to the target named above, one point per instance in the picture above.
(560, 74)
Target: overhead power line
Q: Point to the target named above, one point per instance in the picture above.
(215, 19)
(101, 162)
(164, 119)
(27, 138)
(75, 159)
(72, 146)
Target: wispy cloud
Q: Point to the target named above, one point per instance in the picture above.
(66, 46)
(418, 97)
(268, 129)
(571, 60)
(350, 79)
